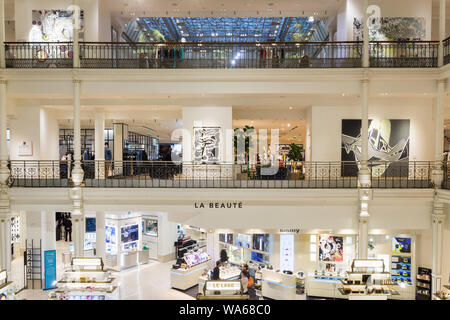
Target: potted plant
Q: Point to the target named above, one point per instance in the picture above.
(296, 156)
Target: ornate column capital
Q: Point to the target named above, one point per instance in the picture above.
(3, 81)
(438, 215)
(76, 81)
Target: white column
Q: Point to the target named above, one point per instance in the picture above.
(2, 35)
(363, 237)
(5, 213)
(100, 235)
(4, 171)
(77, 172)
(364, 173)
(99, 145)
(441, 32)
(438, 174)
(365, 62)
(5, 241)
(365, 195)
(76, 37)
(437, 219)
(78, 234)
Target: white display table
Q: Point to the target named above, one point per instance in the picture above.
(324, 288)
(128, 259)
(184, 279)
(279, 286)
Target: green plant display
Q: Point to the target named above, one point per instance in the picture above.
(298, 35)
(295, 154)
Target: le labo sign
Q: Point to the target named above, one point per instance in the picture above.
(218, 205)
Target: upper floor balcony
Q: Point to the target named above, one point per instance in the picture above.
(209, 55)
(161, 174)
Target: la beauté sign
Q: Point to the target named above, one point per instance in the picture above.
(218, 205)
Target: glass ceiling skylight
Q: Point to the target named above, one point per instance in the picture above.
(233, 29)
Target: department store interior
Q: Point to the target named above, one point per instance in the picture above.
(165, 150)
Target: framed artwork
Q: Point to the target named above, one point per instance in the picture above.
(53, 26)
(392, 29)
(401, 245)
(206, 145)
(331, 248)
(26, 147)
(388, 142)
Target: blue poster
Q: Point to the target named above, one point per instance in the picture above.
(50, 269)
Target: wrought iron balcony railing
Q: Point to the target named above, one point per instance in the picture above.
(206, 55)
(446, 44)
(39, 55)
(158, 174)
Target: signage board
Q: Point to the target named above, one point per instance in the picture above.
(223, 285)
(50, 269)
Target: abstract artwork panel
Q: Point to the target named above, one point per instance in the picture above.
(388, 142)
(331, 248)
(392, 28)
(53, 26)
(206, 145)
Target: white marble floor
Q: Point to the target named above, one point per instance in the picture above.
(145, 282)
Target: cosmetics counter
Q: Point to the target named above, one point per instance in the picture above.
(368, 281)
(186, 272)
(324, 284)
(86, 280)
(222, 290)
(228, 272)
(283, 286)
(124, 241)
(6, 287)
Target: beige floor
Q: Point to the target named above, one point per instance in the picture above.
(146, 282)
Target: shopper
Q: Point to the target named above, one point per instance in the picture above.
(223, 256)
(68, 229)
(244, 281)
(108, 158)
(250, 286)
(216, 271)
(58, 229)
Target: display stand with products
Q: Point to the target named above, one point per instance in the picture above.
(368, 281)
(150, 236)
(185, 275)
(443, 294)
(86, 280)
(423, 284)
(6, 287)
(124, 241)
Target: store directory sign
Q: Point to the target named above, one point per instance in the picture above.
(50, 269)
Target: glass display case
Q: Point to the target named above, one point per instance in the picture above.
(86, 280)
(368, 281)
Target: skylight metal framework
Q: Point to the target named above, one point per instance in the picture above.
(231, 29)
